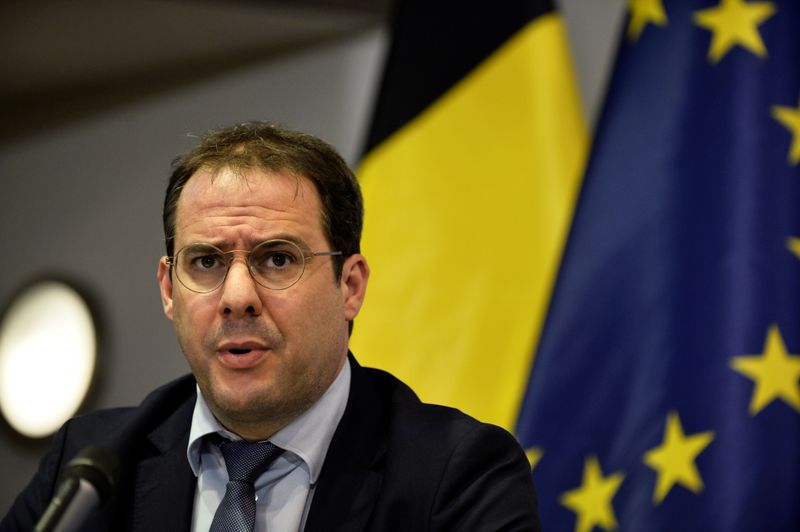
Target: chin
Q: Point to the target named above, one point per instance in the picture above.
(242, 394)
(233, 408)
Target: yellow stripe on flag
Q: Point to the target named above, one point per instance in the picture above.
(467, 209)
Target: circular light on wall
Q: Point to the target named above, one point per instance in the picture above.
(48, 350)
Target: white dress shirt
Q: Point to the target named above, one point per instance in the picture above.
(284, 491)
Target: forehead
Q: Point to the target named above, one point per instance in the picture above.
(246, 204)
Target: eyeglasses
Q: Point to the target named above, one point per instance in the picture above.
(275, 264)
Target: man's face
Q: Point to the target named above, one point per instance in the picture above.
(261, 357)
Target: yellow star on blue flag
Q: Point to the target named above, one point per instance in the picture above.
(790, 118)
(642, 13)
(735, 22)
(775, 373)
(674, 459)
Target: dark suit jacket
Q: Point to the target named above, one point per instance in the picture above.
(394, 464)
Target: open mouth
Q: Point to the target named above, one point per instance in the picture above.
(242, 354)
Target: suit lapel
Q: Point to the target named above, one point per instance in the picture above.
(165, 484)
(351, 477)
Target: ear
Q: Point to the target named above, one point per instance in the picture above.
(165, 284)
(355, 274)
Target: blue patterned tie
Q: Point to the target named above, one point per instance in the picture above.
(245, 462)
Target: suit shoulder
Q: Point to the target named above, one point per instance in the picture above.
(120, 426)
(451, 470)
(418, 422)
(87, 428)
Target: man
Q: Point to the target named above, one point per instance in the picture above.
(263, 278)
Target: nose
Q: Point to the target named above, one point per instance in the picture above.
(240, 294)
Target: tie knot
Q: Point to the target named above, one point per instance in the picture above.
(245, 461)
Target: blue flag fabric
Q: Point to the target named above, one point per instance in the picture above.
(665, 393)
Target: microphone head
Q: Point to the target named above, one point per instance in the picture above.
(97, 465)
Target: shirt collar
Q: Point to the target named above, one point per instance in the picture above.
(308, 436)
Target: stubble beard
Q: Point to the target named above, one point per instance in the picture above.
(267, 405)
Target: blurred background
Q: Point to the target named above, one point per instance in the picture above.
(98, 97)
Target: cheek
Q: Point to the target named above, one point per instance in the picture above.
(193, 315)
(312, 323)
(328, 323)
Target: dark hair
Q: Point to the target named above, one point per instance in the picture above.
(269, 147)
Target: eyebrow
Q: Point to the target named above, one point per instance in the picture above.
(223, 244)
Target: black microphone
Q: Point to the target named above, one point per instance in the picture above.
(89, 479)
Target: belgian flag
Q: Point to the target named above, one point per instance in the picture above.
(472, 166)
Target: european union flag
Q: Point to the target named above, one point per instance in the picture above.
(665, 394)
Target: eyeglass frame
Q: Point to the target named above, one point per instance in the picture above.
(306, 253)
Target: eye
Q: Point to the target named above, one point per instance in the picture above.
(207, 261)
(276, 264)
(201, 259)
(278, 260)
(276, 257)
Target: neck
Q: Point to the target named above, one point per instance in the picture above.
(255, 430)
